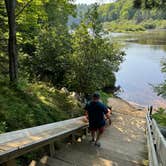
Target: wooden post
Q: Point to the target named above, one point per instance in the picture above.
(10, 163)
(52, 149)
(150, 111)
(86, 132)
(73, 138)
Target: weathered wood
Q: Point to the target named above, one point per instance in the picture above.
(73, 138)
(17, 143)
(52, 149)
(10, 163)
(160, 143)
(153, 161)
(163, 131)
(86, 131)
(55, 162)
(34, 163)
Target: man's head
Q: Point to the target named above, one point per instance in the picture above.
(96, 97)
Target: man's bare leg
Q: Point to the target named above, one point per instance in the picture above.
(99, 133)
(98, 136)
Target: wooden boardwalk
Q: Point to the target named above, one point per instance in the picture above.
(123, 143)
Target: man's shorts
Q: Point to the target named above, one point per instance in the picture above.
(100, 129)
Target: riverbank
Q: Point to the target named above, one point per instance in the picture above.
(133, 26)
(141, 69)
(134, 109)
(122, 106)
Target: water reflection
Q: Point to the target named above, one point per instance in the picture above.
(142, 67)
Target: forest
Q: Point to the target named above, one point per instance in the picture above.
(126, 16)
(39, 55)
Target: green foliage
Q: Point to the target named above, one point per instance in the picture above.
(94, 58)
(81, 10)
(84, 61)
(132, 19)
(45, 40)
(149, 24)
(33, 104)
(161, 88)
(149, 4)
(3, 39)
(160, 117)
(123, 26)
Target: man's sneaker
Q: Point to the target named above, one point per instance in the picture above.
(97, 144)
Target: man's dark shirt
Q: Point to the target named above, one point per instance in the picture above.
(96, 111)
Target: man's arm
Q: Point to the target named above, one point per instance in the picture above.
(86, 114)
(107, 114)
(86, 118)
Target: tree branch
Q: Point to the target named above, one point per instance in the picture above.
(7, 5)
(27, 4)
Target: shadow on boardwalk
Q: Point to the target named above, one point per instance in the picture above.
(123, 143)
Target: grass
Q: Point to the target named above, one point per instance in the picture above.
(160, 117)
(132, 26)
(123, 26)
(30, 105)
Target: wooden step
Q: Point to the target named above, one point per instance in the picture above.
(35, 163)
(48, 161)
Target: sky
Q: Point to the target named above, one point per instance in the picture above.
(93, 1)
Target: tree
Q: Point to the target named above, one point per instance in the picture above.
(3, 39)
(94, 58)
(161, 88)
(12, 51)
(149, 4)
(51, 41)
(12, 41)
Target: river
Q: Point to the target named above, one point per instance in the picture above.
(142, 66)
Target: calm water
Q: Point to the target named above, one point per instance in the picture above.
(142, 67)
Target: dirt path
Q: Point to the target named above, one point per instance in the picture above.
(123, 143)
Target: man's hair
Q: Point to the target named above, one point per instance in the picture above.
(96, 96)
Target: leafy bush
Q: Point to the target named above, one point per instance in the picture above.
(94, 59)
(123, 26)
(30, 105)
(160, 117)
(149, 24)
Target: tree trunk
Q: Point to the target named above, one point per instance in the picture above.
(12, 52)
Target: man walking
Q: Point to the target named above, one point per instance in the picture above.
(95, 112)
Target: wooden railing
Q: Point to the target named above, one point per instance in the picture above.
(16, 143)
(156, 143)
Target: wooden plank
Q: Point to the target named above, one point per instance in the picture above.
(34, 163)
(21, 145)
(10, 163)
(10, 136)
(153, 161)
(160, 143)
(52, 149)
(5, 147)
(54, 162)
